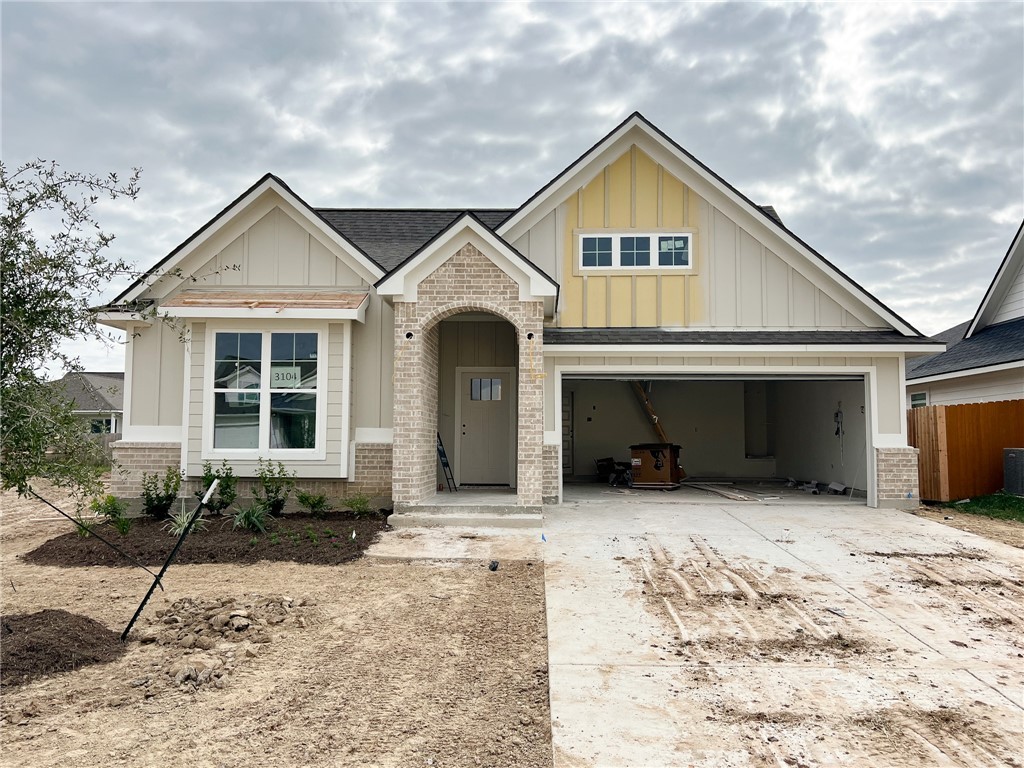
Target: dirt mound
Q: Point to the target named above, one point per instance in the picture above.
(34, 645)
(293, 538)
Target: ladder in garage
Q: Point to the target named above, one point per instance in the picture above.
(445, 466)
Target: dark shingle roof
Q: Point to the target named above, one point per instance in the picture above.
(94, 391)
(390, 236)
(993, 345)
(562, 336)
(949, 337)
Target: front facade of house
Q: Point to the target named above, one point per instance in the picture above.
(345, 342)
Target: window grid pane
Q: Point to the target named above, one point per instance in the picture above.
(674, 251)
(484, 389)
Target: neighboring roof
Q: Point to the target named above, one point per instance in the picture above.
(249, 299)
(993, 345)
(1008, 270)
(949, 337)
(636, 120)
(389, 236)
(554, 337)
(94, 391)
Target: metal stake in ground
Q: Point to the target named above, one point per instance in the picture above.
(91, 532)
(170, 558)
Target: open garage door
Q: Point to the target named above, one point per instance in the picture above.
(741, 429)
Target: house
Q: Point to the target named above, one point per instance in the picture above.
(342, 342)
(984, 357)
(97, 398)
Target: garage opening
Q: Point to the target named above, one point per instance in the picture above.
(755, 433)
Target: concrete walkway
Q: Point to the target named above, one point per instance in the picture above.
(771, 634)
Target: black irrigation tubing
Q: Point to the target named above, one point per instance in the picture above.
(91, 532)
(170, 558)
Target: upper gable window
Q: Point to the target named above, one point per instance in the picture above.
(654, 250)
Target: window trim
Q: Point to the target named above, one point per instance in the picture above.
(617, 236)
(919, 404)
(319, 453)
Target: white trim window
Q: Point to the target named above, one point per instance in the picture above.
(919, 400)
(636, 250)
(265, 393)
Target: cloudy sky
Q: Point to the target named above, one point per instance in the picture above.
(889, 136)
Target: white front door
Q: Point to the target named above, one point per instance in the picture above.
(484, 428)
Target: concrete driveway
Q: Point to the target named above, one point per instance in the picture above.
(779, 634)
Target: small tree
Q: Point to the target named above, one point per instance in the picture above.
(47, 286)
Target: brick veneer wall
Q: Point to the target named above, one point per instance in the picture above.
(468, 281)
(133, 460)
(372, 472)
(897, 477)
(552, 473)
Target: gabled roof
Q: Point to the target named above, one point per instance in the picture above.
(562, 185)
(267, 182)
(533, 281)
(998, 344)
(1008, 270)
(391, 235)
(949, 337)
(94, 391)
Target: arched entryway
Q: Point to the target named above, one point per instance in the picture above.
(426, 379)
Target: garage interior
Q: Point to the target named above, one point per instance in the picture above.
(731, 429)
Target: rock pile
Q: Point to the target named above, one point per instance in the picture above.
(216, 635)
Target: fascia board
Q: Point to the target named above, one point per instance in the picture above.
(831, 350)
(965, 373)
(225, 218)
(997, 289)
(404, 281)
(120, 320)
(266, 313)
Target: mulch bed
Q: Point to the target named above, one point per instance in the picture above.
(34, 645)
(295, 538)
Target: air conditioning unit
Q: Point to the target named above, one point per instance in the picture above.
(1013, 470)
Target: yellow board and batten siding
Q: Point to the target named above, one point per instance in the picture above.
(632, 193)
(736, 281)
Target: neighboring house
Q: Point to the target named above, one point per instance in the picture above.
(342, 341)
(984, 357)
(98, 399)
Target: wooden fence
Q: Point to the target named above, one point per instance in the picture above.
(962, 446)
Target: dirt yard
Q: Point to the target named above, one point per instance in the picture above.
(1007, 531)
(371, 662)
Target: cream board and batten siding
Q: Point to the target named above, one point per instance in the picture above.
(265, 246)
(743, 275)
(154, 382)
(335, 463)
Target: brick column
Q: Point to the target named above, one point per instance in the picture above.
(897, 478)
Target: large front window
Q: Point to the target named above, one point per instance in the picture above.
(265, 391)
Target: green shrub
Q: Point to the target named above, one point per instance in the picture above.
(83, 527)
(275, 485)
(176, 523)
(158, 496)
(108, 506)
(359, 504)
(226, 492)
(315, 503)
(122, 524)
(255, 517)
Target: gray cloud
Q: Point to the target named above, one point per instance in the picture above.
(891, 138)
